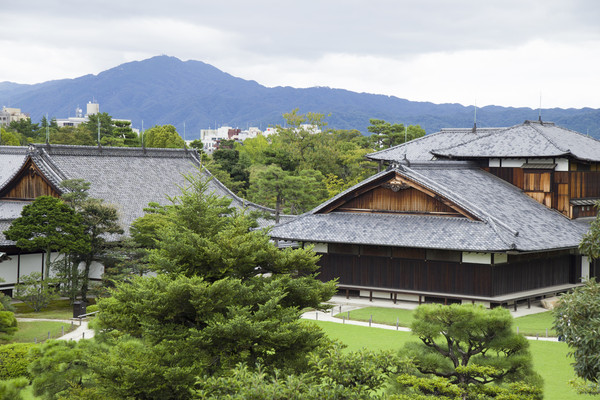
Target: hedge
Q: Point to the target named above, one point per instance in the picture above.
(14, 360)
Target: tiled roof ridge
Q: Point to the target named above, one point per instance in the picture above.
(407, 216)
(480, 137)
(47, 170)
(403, 144)
(425, 137)
(448, 193)
(45, 157)
(541, 132)
(63, 149)
(13, 150)
(471, 129)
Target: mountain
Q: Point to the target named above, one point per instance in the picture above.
(165, 90)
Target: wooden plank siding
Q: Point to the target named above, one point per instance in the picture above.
(408, 200)
(447, 276)
(555, 189)
(28, 184)
(511, 175)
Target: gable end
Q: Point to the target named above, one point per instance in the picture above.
(398, 195)
(28, 184)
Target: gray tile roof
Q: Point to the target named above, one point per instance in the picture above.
(9, 210)
(128, 178)
(11, 160)
(507, 218)
(527, 140)
(420, 149)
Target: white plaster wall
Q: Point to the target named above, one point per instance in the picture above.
(562, 164)
(476, 258)
(513, 162)
(585, 268)
(96, 270)
(494, 162)
(8, 269)
(31, 263)
(320, 247)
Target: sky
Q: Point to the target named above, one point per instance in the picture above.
(519, 53)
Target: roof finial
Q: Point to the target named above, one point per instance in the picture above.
(475, 118)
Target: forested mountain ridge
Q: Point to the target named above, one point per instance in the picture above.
(165, 90)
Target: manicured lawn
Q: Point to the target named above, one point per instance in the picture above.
(388, 316)
(549, 358)
(29, 331)
(529, 325)
(58, 309)
(535, 324)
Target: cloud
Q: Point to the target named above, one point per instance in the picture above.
(422, 50)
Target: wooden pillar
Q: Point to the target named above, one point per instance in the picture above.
(370, 295)
(347, 293)
(528, 302)
(395, 297)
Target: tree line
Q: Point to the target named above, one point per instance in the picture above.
(303, 163)
(99, 128)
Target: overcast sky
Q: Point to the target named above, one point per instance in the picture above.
(502, 52)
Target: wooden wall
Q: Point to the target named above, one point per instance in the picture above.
(28, 185)
(408, 200)
(554, 189)
(447, 276)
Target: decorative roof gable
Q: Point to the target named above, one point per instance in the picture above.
(29, 182)
(393, 193)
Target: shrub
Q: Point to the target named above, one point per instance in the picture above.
(11, 389)
(14, 360)
(92, 308)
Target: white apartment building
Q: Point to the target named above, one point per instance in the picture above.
(8, 115)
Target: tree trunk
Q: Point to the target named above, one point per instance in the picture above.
(85, 279)
(46, 273)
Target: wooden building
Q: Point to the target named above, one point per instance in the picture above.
(489, 215)
(128, 178)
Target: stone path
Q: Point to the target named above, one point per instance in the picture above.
(82, 331)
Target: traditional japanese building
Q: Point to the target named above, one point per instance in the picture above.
(127, 178)
(489, 215)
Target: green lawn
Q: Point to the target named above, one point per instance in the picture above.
(549, 358)
(58, 309)
(30, 331)
(388, 316)
(529, 325)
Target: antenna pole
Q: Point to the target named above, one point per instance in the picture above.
(475, 118)
(540, 112)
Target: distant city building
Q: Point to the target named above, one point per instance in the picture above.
(211, 138)
(91, 109)
(8, 115)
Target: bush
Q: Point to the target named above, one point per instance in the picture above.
(14, 360)
(92, 308)
(11, 389)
